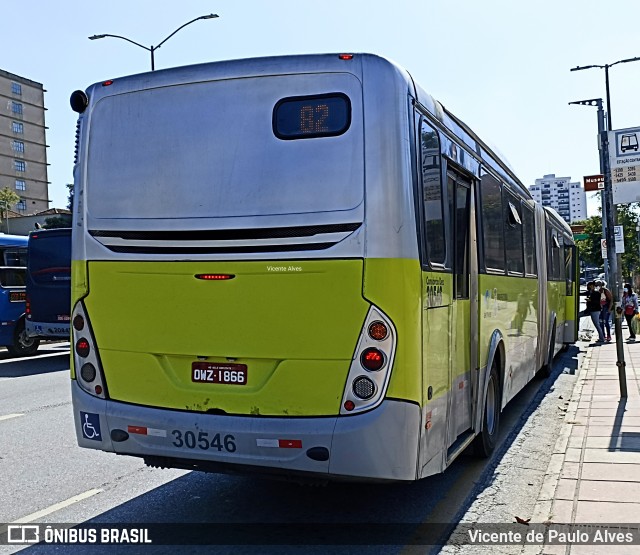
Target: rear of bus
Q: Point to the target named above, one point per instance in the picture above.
(49, 284)
(237, 292)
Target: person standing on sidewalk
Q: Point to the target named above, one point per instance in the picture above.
(593, 309)
(606, 306)
(630, 307)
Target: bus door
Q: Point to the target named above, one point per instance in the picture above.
(460, 376)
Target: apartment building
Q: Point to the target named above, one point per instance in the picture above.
(23, 148)
(568, 199)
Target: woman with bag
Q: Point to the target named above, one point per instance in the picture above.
(630, 307)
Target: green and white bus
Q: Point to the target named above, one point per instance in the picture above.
(305, 266)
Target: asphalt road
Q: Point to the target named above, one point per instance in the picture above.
(47, 478)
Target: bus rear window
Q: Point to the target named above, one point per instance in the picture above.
(12, 277)
(307, 117)
(50, 258)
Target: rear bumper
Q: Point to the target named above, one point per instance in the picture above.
(49, 330)
(379, 445)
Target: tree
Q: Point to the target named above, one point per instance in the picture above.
(63, 220)
(70, 196)
(8, 198)
(591, 251)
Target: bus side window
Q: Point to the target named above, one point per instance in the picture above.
(513, 234)
(529, 236)
(553, 246)
(434, 229)
(492, 223)
(569, 272)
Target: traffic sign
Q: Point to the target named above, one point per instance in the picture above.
(624, 161)
(593, 182)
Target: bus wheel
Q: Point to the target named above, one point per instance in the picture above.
(546, 369)
(23, 345)
(485, 442)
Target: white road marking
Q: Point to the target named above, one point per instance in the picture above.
(7, 416)
(52, 508)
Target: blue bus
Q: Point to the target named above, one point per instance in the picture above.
(13, 261)
(49, 284)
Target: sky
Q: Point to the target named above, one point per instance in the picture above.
(502, 66)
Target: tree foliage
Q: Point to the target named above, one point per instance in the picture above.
(62, 220)
(591, 251)
(8, 198)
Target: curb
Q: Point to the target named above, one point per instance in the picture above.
(543, 511)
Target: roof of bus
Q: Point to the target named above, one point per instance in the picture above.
(13, 240)
(328, 62)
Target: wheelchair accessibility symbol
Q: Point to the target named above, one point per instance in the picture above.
(90, 426)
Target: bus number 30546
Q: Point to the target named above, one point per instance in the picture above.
(189, 440)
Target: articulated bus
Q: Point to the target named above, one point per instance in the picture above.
(303, 266)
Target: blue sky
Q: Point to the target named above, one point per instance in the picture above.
(502, 66)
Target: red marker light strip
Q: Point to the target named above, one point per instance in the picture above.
(280, 443)
(214, 277)
(144, 431)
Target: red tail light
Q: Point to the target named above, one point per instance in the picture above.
(372, 359)
(27, 307)
(214, 277)
(83, 348)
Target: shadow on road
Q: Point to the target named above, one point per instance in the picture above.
(239, 514)
(52, 357)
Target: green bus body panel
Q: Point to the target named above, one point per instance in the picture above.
(393, 285)
(295, 324)
(510, 305)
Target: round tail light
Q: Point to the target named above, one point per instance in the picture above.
(378, 331)
(363, 388)
(83, 348)
(372, 359)
(78, 322)
(88, 372)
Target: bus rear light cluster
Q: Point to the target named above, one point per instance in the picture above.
(86, 362)
(371, 366)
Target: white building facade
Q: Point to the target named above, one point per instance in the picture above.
(568, 199)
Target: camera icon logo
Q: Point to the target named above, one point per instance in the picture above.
(23, 533)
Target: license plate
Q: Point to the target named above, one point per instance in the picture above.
(219, 372)
(17, 296)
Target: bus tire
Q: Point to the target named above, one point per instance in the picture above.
(545, 371)
(485, 442)
(23, 345)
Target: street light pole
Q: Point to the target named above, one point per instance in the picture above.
(602, 154)
(152, 48)
(611, 221)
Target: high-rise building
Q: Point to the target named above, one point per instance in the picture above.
(23, 147)
(568, 199)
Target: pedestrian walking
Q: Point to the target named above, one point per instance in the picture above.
(630, 308)
(606, 306)
(594, 309)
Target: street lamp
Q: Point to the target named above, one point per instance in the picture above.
(603, 170)
(606, 77)
(152, 49)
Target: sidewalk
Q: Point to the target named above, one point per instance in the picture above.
(594, 473)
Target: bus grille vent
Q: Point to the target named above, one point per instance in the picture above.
(226, 241)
